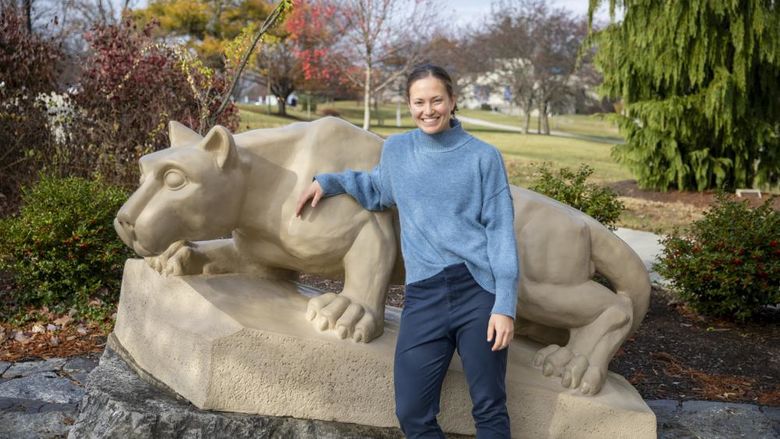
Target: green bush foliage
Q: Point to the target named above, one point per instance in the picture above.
(728, 263)
(61, 247)
(570, 187)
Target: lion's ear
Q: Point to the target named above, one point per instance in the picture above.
(220, 143)
(182, 135)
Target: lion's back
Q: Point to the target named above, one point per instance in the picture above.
(325, 145)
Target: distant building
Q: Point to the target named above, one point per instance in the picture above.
(489, 93)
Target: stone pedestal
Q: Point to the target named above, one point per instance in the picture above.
(236, 343)
(121, 404)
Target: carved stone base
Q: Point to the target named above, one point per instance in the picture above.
(241, 344)
(120, 404)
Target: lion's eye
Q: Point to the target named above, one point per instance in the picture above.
(174, 179)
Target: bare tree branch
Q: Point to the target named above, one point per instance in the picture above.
(269, 22)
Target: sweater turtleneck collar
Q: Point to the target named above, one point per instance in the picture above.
(447, 140)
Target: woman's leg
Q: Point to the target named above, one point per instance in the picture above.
(423, 353)
(485, 370)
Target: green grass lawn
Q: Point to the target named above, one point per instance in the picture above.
(580, 124)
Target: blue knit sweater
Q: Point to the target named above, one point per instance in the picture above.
(453, 202)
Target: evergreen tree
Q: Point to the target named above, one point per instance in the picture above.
(700, 85)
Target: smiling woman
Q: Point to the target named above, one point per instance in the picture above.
(460, 256)
(431, 100)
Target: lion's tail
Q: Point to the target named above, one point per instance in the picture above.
(616, 261)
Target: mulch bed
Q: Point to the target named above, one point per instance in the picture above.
(677, 354)
(629, 188)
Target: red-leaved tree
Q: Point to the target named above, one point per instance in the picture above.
(312, 37)
(131, 87)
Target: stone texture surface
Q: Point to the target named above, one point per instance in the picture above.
(118, 404)
(41, 425)
(28, 368)
(39, 399)
(78, 368)
(241, 344)
(715, 420)
(43, 386)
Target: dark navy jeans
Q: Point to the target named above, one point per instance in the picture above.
(445, 312)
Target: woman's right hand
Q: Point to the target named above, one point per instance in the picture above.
(313, 192)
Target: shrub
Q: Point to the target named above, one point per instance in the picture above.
(29, 67)
(330, 112)
(62, 249)
(570, 187)
(728, 263)
(130, 88)
(311, 100)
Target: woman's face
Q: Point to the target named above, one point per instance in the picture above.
(430, 104)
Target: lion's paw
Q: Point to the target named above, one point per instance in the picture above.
(176, 260)
(348, 319)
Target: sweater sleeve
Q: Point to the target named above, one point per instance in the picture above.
(371, 189)
(498, 219)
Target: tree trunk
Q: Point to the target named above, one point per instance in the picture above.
(539, 120)
(379, 120)
(367, 100)
(28, 14)
(527, 108)
(282, 103)
(546, 119)
(213, 25)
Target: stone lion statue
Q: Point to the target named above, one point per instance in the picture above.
(225, 203)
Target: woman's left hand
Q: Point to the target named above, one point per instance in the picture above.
(503, 327)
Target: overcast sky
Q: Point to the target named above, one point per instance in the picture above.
(467, 11)
(472, 11)
(474, 8)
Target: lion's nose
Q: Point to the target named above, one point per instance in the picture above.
(123, 216)
(124, 230)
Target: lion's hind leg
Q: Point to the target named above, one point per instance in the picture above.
(557, 291)
(606, 334)
(599, 321)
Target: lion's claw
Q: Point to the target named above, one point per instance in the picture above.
(575, 369)
(339, 313)
(174, 260)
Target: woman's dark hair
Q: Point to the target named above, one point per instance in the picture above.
(423, 71)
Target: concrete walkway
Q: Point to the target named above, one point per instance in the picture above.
(648, 246)
(512, 128)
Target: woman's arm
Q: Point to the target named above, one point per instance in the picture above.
(368, 188)
(498, 214)
(498, 218)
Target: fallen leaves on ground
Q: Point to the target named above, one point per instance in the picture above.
(60, 337)
(714, 386)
